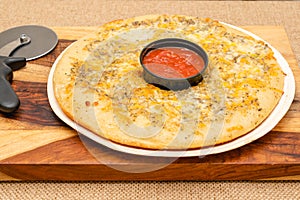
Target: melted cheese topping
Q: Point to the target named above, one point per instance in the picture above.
(240, 67)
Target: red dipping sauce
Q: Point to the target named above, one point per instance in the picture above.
(173, 62)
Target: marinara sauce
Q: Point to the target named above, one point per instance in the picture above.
(173, 62)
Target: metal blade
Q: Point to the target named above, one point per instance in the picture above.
(43, 40)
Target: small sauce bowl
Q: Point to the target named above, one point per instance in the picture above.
(173, 63)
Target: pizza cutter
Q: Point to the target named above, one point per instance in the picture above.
(18, 45)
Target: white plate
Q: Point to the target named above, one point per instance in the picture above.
(267, 125)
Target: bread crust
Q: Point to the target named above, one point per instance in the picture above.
(98, 84)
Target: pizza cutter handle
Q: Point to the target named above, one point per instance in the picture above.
(9, 101)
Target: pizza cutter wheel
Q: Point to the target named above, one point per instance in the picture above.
(18, 45)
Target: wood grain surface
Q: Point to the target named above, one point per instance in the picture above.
(37, 145)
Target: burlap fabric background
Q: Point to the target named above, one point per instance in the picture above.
(95, 13)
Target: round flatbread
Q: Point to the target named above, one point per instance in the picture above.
(98, 83)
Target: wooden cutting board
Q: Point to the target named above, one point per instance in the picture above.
(36, 145)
